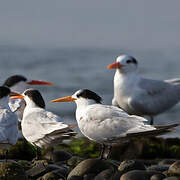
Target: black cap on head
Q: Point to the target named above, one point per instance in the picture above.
(85, 93)
(132, 60)
(12, 80)
(36, 97)
(4, 91)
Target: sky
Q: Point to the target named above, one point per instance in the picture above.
(96, 23)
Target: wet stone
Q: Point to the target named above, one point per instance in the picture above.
(89, 166)
(138, 175)
(174, 169)
(104, 175)
(172, 178)
(11, 170)
(129, 165)
(76, 178)
(158, 168)
(158, 177)
(167, 161)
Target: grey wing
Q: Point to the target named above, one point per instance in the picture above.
(110, 121)
(175, 81)
(47, 124)
(154, 97)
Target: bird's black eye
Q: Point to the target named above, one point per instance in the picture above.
(128, 61)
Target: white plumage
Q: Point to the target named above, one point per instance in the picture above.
(40, 127)
(8, 122)
(140, 96)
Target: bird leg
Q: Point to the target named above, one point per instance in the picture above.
(6, 155)
(151, 120)
(102, 151)
(105, 150)
(37, 153)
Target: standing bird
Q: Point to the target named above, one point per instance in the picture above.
(8, 121)
(139, 96)
(18, 83)
(107, 124)
(40, 127)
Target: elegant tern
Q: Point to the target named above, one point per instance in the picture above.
(19, 83)
(40, 127)
(139, 96)
(107, 124)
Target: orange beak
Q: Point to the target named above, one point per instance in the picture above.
(37, 82)
(64, 99)
(14, 95)
(115, 65)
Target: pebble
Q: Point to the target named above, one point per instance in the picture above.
(104, 175)
(129, 165)
(87, 166)
(174, 169)
(158, 177)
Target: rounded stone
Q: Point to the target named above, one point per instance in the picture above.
(12, 171)
(104, 175)
(174, 169)
(138, 175)
(52, 176)
(90, 166)
(76, 178)
(172, 178)
(74, 161)
(158, 177)
(158, 168)
(129, 165)
(167, 161)
(57, 155)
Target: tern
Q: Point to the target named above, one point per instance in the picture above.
(18, 84)
(107, 124)
(8, 121)
(40, 127)
(139, 96)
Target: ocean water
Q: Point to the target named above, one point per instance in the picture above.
(71, 69)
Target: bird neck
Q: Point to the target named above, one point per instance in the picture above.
(82, 104)
(4, 103)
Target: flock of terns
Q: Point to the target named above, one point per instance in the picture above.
(134, 97)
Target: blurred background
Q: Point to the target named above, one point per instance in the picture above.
(70, 43)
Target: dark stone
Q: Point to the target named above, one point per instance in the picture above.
(167, 161)
(12, 171)
(76, 178)
(37, 170)
(172, 178)
(53, 175)
(138, 175)
(104, 175)
(117, 175)
(89, 166)
(158, 168)
(74, 161)
(57, 155)
(61, 156)
(158, 177)
(89, 177)
(25, 164)
(129, 165)
(174, 169)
